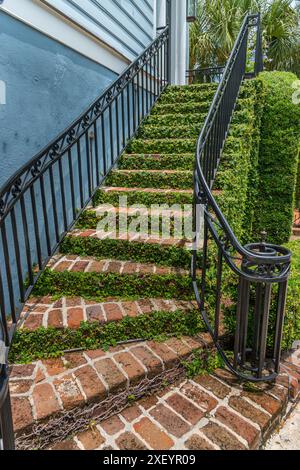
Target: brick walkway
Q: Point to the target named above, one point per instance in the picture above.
(206, 413)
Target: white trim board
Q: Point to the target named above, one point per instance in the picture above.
(46, 20)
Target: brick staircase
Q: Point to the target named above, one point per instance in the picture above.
(106, 280)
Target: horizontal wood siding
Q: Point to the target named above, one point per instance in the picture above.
(125, 25)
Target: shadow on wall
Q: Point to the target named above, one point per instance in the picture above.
(46, 86)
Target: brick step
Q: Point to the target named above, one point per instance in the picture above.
(77, 387)
(175, 131)
(133, 247)
(180, 125)
(146, 196)
(70, 312)
(88, 264)
(187, 96)
(175, 120)
(157, 162)
(161, 179)
(207, 412)
(198, 106)
(296, 231)
(162, 145)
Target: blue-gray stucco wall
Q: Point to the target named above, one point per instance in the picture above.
(47, 86)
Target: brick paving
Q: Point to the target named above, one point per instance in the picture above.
(212, 412)
(46, 387)
(87, 264)
(69, 312)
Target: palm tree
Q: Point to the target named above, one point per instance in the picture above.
(213, 34)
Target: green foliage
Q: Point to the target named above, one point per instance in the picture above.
(213, 34)
(100, 286)
(203, 363)
(162, 146)
(141, 197)
(278, 157)
(44, 343)
(187, 94)
(148, 179)
(297, 192)
(154, 162)
(125, 250)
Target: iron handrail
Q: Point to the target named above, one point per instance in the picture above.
(258, 265)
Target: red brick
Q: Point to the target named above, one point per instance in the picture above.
(75, 317)
(202, 399)
(249, 411)
(91, 384)
(168, 356)
(148, 402)
(170, 421)
(55, 319)
(178, 346)
(153, 435)
(54, 366)
(185, 408)
(91, 439)
(153, 364)
(22, 372)
(219, 389)
(45, 401)
(63, 266)
(145, 306)
(238, 425)
(132, 368)
(66, 445)
(95, 354)
(20, 386)
(22, 413)
(130, 309)
(80, 266)
(130, 268)
(196, 442)
(73, 301)
(131, 413)
(33, 322)
(113, 312)
(115, 380)
(74, 359)
(114, 267)
(223, 438)
(96, 266)
(129, 441)
(69, 391)
(265, 401)
(112, 425)
(146, 269)
(95, 314)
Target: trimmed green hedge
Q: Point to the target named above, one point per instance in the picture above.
(278, 158)
(297, 192)
(160, 162)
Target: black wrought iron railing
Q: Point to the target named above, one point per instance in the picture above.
(261, 269)
(44, 199)
(205, 75)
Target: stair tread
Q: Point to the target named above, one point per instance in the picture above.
(89, 264)
(108, 189)
(51, 389)
(69, 312)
